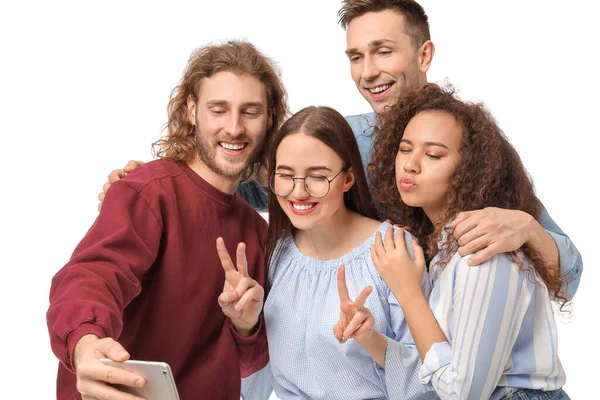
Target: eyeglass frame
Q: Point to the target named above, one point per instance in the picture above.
(304, 179)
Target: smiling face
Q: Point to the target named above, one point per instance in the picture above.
(231, 119)
(383, 62)
(427, 159)
(298, 156)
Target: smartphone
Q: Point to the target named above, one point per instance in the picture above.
(160, 384)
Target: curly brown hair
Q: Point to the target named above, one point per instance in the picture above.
(489, 174)
(179, 143)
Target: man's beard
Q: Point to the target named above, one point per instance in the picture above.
(207, 155)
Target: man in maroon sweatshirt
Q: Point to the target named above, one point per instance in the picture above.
(146, 282)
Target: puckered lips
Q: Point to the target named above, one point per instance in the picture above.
(406, 184)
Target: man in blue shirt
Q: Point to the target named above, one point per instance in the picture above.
(390, 51)
(389, 48)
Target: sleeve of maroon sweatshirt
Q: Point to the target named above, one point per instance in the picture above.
(252, 350)
(89, 294)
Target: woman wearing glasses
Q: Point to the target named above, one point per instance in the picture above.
(321, 216)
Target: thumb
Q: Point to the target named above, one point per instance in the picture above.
(114, 350)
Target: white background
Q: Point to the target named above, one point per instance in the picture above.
(84, 88)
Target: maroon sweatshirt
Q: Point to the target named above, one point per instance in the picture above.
(147, 274)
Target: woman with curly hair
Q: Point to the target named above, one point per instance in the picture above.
(485, 332)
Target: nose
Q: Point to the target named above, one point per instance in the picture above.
(370, 70)
(412, 164)
(299, 191)
(234, 125)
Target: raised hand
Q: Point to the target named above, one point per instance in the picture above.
(242, 297)
(356, 321)
(399, 272)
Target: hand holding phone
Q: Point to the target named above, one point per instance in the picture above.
(93, 375)
(160, 384)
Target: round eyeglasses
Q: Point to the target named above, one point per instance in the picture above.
(316, 185)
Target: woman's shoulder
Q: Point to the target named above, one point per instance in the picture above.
(501, 269)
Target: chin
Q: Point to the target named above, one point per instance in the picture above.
(232, 169)
(305, 222)
(410, 201)
(302, 223)
(378, 107)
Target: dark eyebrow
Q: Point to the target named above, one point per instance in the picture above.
(438, 144)
(319, 168)
(372, 44)
(381, 42)
(310, 169)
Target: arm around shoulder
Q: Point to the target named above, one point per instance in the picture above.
(571, 263)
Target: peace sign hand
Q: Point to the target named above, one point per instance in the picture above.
(356, 321)
(242, 297)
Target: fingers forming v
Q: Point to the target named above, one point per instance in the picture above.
(224, 256)
(341, 281)
(359, 303)
(242, 262)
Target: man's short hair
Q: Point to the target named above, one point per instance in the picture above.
(416, 21)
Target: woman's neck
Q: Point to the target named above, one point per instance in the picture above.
(337, 236)
(433, 215)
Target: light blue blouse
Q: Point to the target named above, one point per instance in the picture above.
(306, 361)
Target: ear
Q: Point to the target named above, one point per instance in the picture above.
(349, 181)
(426, 53)
(191, 109)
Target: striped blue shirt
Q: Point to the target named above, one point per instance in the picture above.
(306, 361)
(500, 327)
